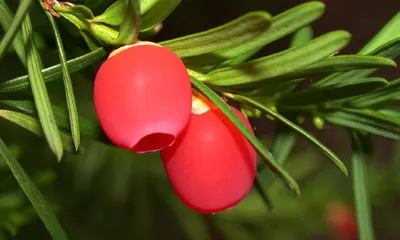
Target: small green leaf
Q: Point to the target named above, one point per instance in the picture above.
(301, 36)
(146, 5)
(31, 124)
(365, 120)
(236, 32)
(393, 114)
(128, 30)
(262, 151)
(292, 125)
(340, 64)
(294, 19)
(69, 91)
(234, 61)
(389, 32)
(80, 24)
(158, 13)
(15, 27)
(54, 72)
(360, 188)
(281, 26)
(111, 15)
(389, 50)
(310, 97)
(6, 18)
(268, 91)
(104, 34)
(89, 129)
(79, 15)
(39, 91)
(265, 69)
(378, 97)
(35, 197)
(114, 14)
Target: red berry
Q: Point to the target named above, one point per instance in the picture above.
(342, 220)
(211, 166)
(142, 97)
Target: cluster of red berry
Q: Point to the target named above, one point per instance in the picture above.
(144, 102)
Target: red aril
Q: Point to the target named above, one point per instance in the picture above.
(211, 166)
(342, 220)
(142, 97)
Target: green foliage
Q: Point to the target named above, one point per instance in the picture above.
(14, 26)
(36, 198)
(390, 50)
(281, 26)
(54, 72)
(386, 34)
(365, 120)
(88, 128)
(291, 125)
(39, 91)
(360, 185)
(322, 96)
(269, 68)
(72, 109)
(6, 20)
(221, 64)
(32, 125)
(378, 97)
(203, 45)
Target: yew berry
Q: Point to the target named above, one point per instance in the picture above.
(211, 166)
(342, 220)
(142, 97)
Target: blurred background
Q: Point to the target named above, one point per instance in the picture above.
(108, 193)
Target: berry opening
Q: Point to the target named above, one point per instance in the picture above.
(135, 44)
(200, 104)
(154, 142)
